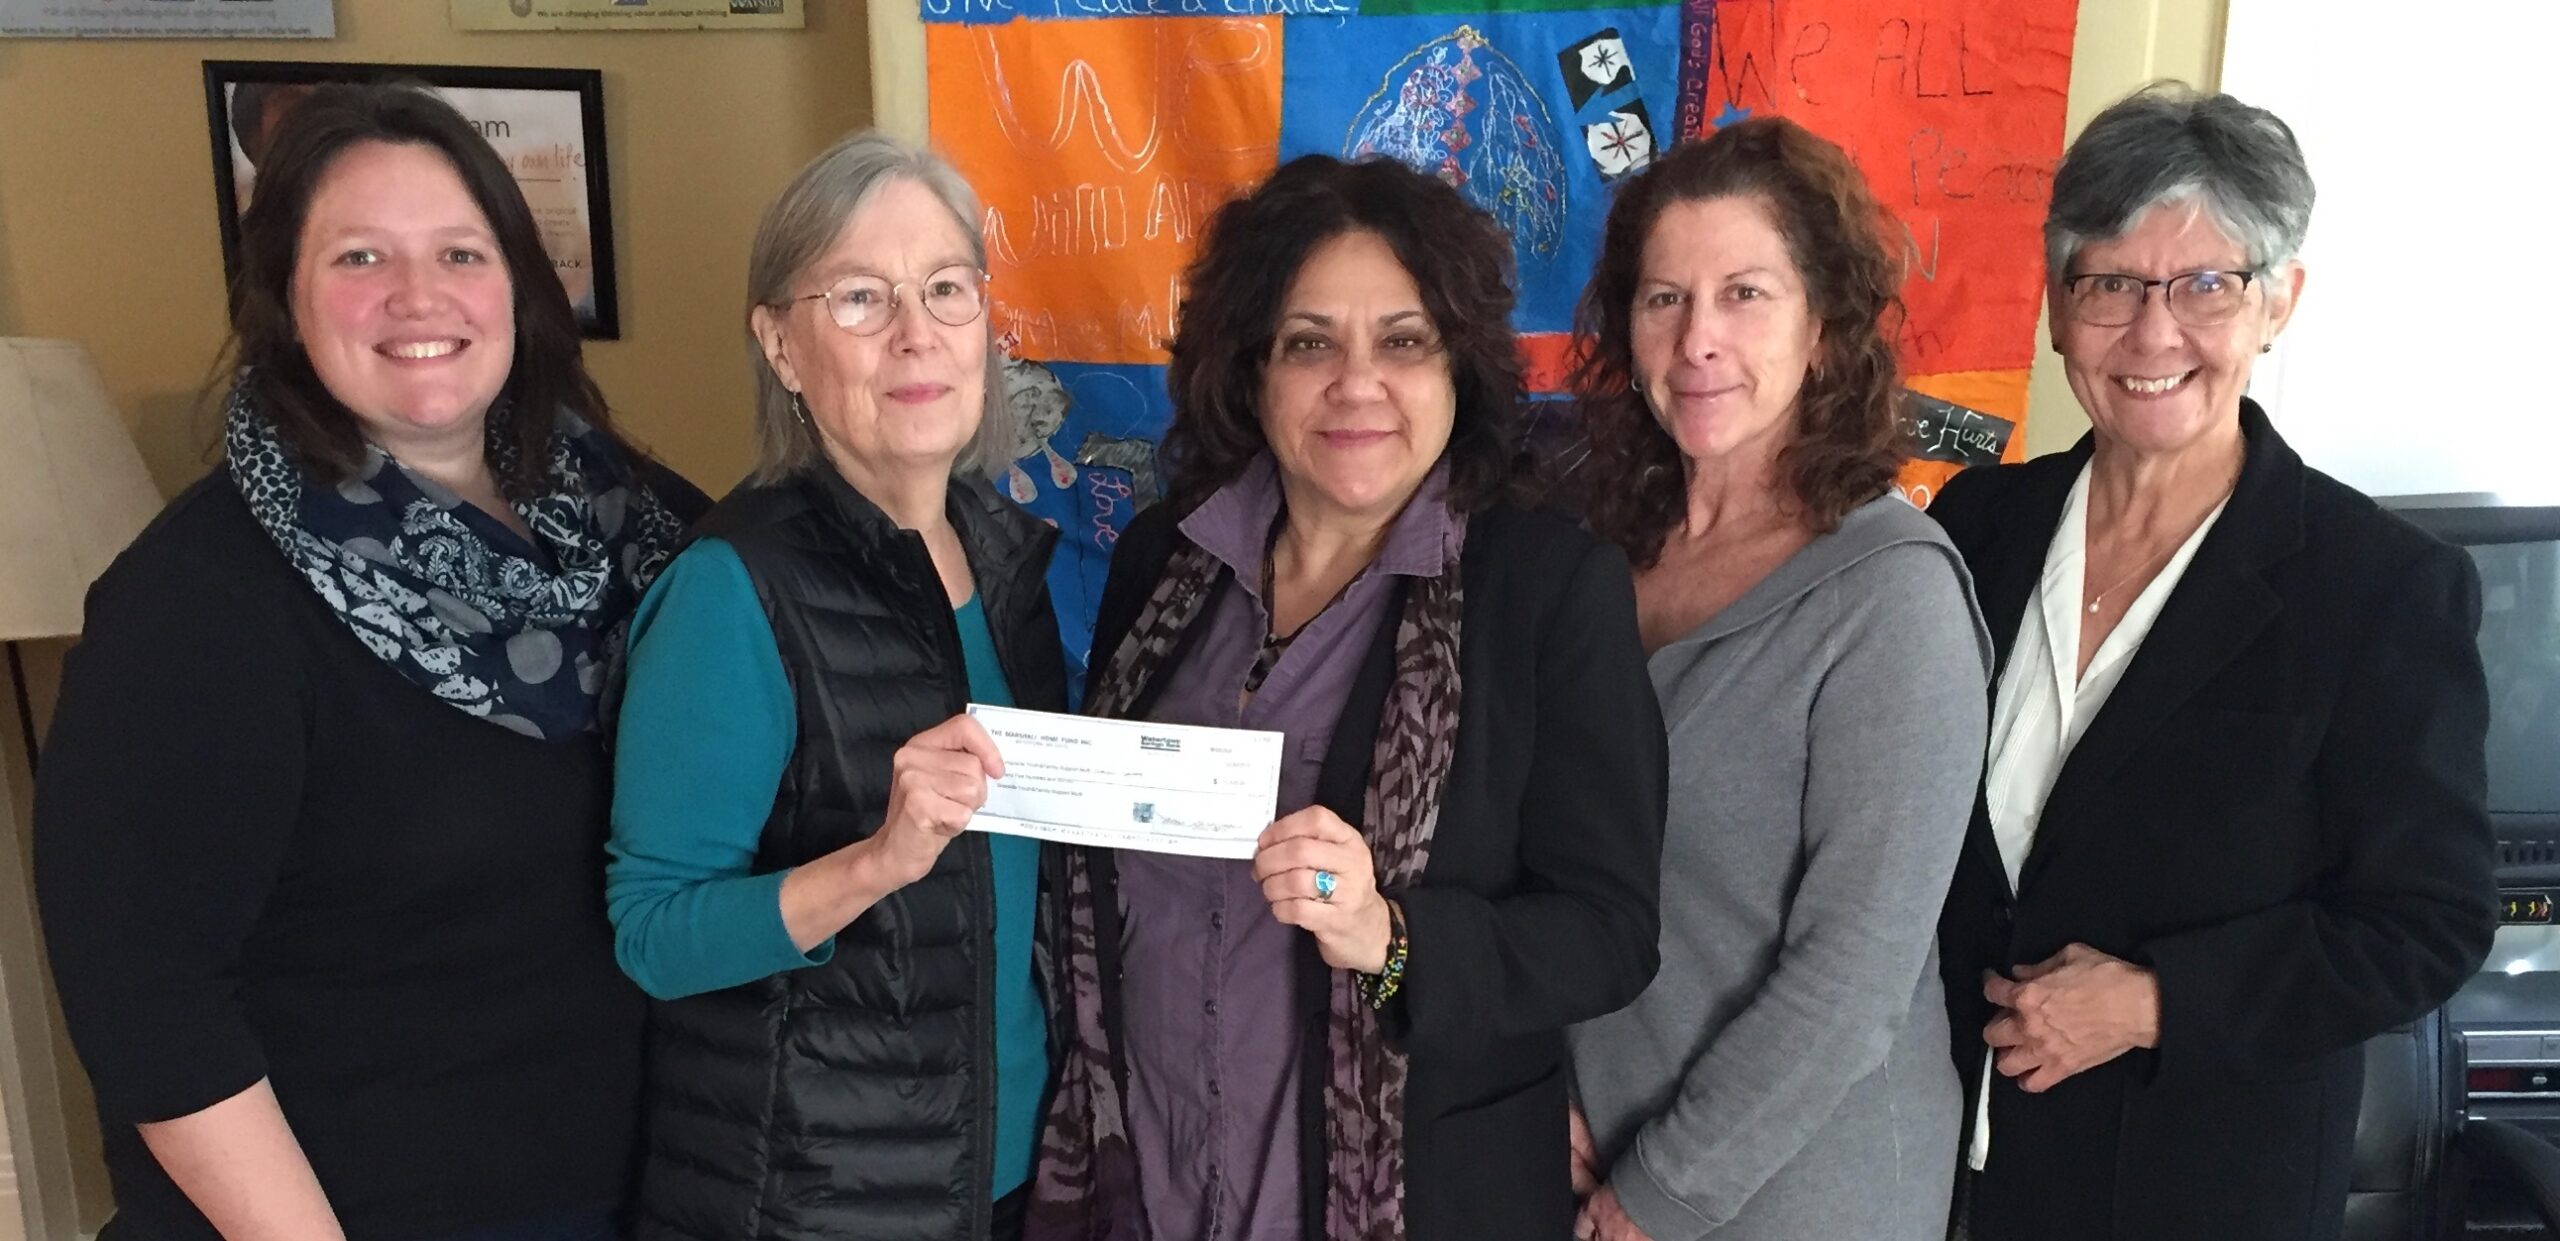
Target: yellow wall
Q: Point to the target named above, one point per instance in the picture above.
(2121, 45)
(107, 230)
(107, 236)
(106, 216)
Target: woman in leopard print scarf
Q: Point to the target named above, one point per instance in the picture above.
(1358, 1034)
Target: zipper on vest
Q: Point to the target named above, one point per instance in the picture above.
(981, 869)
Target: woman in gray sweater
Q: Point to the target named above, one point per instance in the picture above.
(1821, 665)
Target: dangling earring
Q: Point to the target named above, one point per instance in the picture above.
(799, 409)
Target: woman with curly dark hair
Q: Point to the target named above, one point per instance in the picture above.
(1358, 1034)
(1820, 666)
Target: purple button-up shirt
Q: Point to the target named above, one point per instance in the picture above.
(1210, 1011)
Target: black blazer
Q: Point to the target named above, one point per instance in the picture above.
(2280, 811)
(1538, 907)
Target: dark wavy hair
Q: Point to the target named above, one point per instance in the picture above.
(1848, 440)
(547, 376)
(1253, 247)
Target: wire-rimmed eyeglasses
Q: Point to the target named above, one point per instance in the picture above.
(865, 304)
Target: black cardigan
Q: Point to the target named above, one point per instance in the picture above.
(1539, 905)
(261, 852)
(2280, 810)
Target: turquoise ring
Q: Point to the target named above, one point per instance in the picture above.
(1324, 885)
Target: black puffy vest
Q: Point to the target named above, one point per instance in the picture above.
(854, 1099)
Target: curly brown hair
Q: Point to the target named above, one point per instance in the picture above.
(1847, 438)
(1253, 248)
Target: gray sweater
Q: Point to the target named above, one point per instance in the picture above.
(1786, 1076)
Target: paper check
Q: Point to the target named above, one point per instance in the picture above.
(1128, 784)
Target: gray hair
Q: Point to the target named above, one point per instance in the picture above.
(799, 227)
(2169, 142)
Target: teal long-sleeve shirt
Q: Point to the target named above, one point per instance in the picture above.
(707, 725)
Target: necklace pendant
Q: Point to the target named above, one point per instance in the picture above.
(2093, 606)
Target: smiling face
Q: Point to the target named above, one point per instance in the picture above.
(402, 299)
(909, 396)
(1357, 400)
(1723, 332)
(2157, 385)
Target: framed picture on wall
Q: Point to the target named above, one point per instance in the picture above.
(547, 124)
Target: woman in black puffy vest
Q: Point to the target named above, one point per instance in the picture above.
(851, 1040)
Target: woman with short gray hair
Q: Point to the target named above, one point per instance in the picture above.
(849, 1040)
(2233, 818)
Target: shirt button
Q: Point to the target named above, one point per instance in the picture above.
(1211, 1008)
(1217, 922)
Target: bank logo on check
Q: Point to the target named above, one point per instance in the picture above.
(1161, 745)
(1143, 812)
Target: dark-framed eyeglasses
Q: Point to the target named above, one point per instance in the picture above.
(2196, 298)
(864, 305)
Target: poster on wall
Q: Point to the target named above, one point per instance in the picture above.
(504, 15)
(169, 19)
(547, 124)
(1100, 134)
(1954, 111)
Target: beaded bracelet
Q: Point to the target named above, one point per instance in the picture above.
(1380, 987)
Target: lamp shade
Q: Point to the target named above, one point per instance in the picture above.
(73, 490)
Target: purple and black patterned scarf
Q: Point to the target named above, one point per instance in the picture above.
(1086, 1185)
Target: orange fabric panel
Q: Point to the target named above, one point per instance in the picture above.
(1099, 149)
(1546, 358)
(1954, 111)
